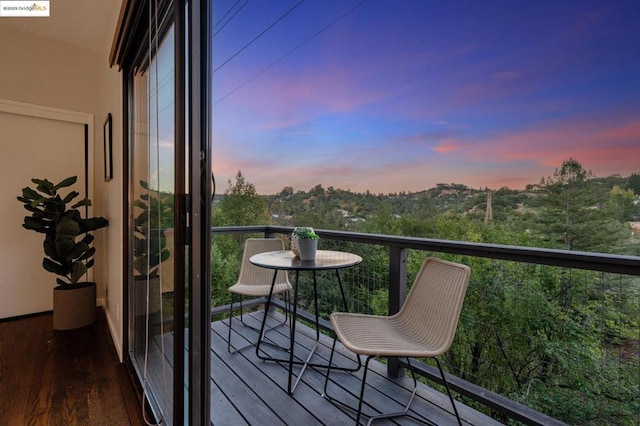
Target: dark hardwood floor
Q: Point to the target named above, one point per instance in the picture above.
(73, 377)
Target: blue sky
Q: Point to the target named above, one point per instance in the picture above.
(391, 96)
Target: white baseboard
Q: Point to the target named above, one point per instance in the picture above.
(113, 330)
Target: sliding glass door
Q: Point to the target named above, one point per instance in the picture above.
(162, 47)
(152, 256)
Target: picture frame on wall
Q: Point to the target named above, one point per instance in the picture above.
(108, 148)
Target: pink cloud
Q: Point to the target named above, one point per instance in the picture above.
(448, 145)
(603, 147)
(325, 88)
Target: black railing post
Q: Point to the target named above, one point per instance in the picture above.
(397, 294)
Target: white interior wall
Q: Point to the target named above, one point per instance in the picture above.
(108, 200)
(41, 71)
(34, 139)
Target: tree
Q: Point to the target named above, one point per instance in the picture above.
(286, 192)
(566, 198)
(621, 205)
(633, 183)
(574, 214)
(317, 191)
(241, 205)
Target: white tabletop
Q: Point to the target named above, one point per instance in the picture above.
(286, 260)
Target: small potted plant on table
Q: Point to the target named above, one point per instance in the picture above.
(67, 248)
(304, 243)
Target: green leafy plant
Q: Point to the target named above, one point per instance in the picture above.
(305, 233)
(67, 243)
(149, 240)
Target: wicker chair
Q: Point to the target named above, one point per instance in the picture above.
(254, 281)
(423, 328)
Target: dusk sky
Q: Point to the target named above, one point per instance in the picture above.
(391, 96)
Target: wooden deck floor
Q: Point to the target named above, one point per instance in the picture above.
(247, 390)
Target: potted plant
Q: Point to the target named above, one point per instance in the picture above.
(149, 249)
(304, 243)
(67, 248)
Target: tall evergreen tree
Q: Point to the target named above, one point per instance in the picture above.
(241, 205)
(574, 214)
(633, 183)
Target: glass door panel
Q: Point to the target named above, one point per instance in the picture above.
(168, 311)
(152, 255)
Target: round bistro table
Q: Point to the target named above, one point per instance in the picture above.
(285, 260)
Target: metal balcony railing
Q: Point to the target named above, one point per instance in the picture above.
(546, 336)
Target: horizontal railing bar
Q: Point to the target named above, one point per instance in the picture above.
(249, 303)
(602, 262)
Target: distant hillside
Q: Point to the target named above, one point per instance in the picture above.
(451, 198)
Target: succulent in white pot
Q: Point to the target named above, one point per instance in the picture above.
(304, 243)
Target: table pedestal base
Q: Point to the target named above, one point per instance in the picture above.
(291, 361)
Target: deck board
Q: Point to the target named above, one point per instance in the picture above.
(273, 396)
(225, 413)
(292, 409)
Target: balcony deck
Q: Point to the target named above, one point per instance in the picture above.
(247, 390)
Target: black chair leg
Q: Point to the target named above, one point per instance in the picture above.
(284, 310)
(315, 303)
(362, 386)
(262, 332)
(230, 319)
(230, 348)
(352, 369)
(446, 385)
(325, 394)
(404, 412)
(326, 378)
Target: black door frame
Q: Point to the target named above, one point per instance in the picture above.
(199, 82)
(192, 216)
